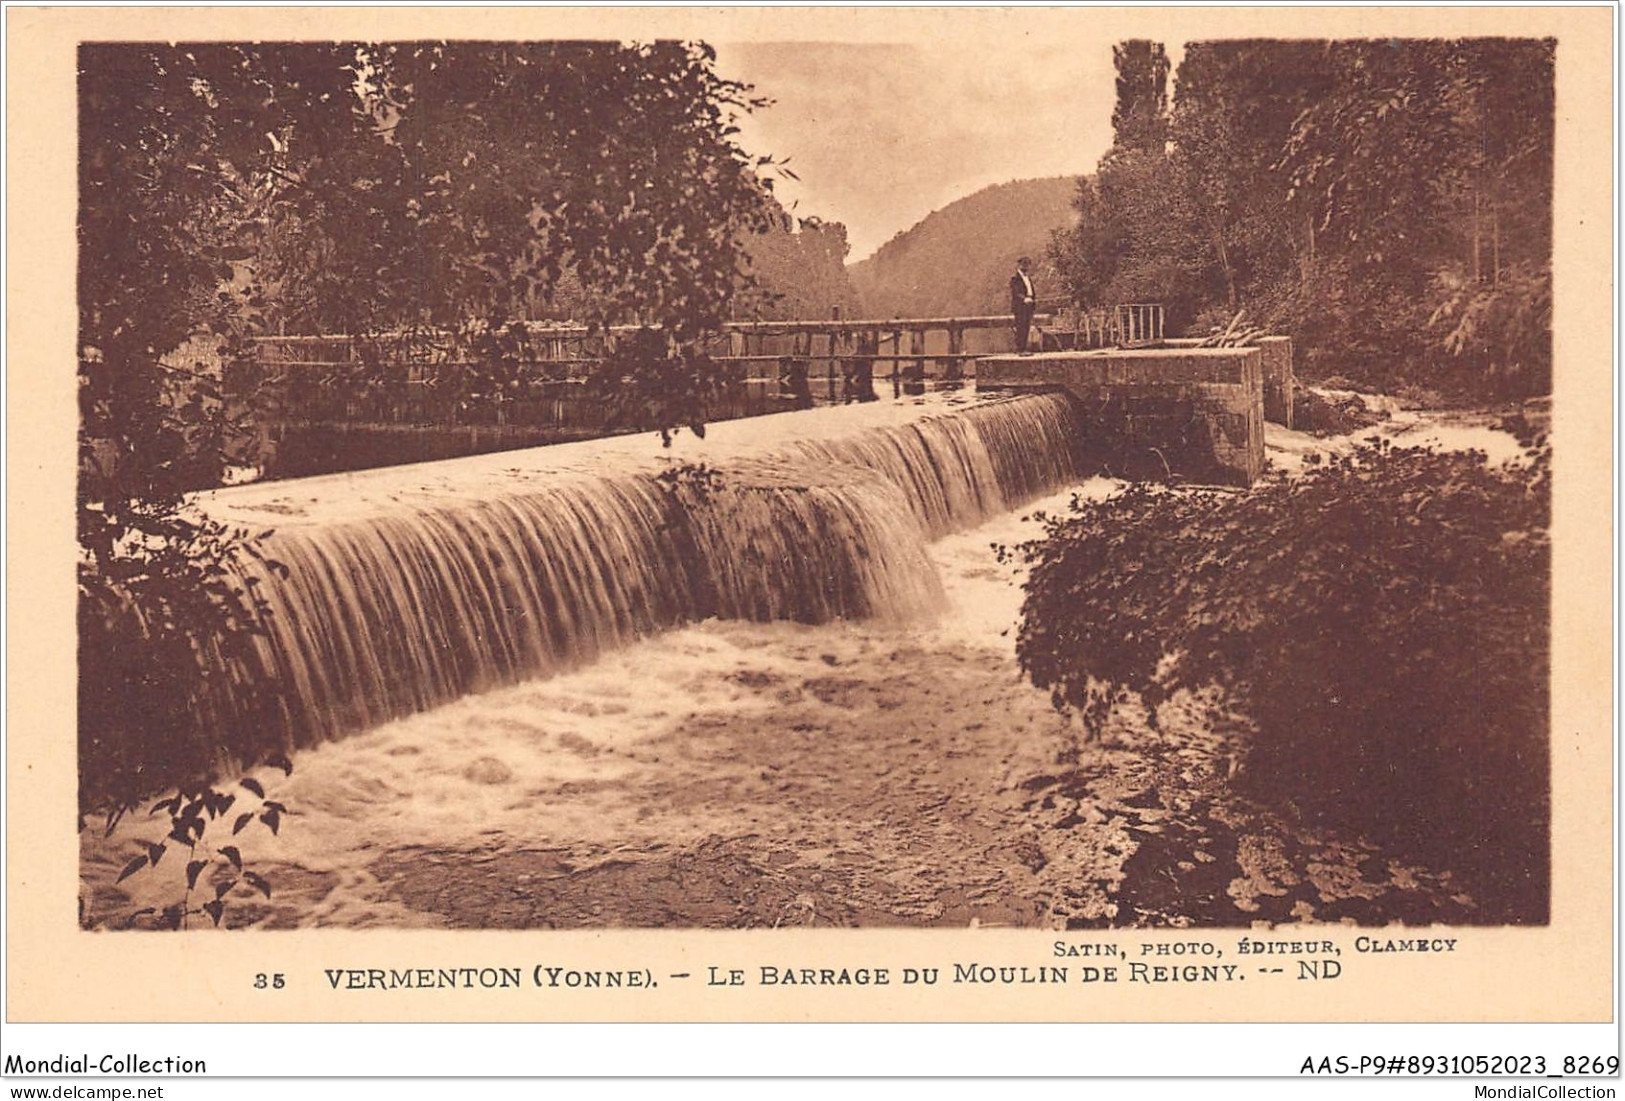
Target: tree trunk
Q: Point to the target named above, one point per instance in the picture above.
(1224, 263)
(1477, 268)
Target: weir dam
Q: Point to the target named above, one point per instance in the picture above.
(405, 588)
(395, 590)
(764, 678)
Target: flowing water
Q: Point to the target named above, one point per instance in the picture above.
(594, 685)
(538, 569)
(830, 746)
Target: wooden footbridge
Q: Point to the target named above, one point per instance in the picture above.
(360, 400)
(907, 348)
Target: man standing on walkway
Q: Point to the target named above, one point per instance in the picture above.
(1022, 300)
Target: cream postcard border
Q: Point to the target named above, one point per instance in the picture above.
(56, 973)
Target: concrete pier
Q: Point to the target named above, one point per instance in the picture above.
(1194, 413)
(1280, 384)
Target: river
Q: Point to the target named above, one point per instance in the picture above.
(890, 772)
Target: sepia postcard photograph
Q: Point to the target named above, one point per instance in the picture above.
(767, 514)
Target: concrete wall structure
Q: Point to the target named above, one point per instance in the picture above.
(1280, 384)
(1149, 412)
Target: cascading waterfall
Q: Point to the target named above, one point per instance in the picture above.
(959, 469)
(399, 612)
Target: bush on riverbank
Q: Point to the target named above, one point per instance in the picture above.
(1384, 620)
(158, 627)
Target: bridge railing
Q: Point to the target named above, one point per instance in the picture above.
(943, 341)
(1133, 325)
(534, 373)
(334, 401)
(897, 340)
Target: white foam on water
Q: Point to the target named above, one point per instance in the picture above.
(562, 760)
(559, 761)
(459, 577)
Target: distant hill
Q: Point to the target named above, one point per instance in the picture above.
(958, 261)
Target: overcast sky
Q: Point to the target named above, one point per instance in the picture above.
(881, 134)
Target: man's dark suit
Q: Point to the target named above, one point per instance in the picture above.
(1022, 305)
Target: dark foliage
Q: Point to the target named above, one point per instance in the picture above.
(1384, 620)
(493, 176)
(232, 189)
(210, 867)
(653, 381)
(167, 625)
(1387, 203)
(798, 268)
(1140, 118)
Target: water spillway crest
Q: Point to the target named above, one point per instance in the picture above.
(960, 469)
(404, 609)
